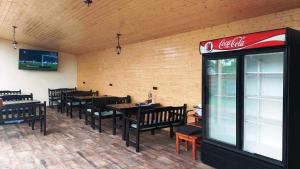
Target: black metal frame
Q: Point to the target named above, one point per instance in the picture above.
(225, 154)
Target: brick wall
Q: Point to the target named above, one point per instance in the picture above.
(173, 64)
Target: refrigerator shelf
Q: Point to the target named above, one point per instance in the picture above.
(224, 96)
(264, 73)
(269, 98)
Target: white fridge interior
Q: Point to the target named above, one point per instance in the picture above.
(222, 100)
(263, 104)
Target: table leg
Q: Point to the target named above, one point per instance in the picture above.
(114, 122)
(124, 128)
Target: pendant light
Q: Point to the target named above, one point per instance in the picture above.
(88, 2)
(118, 47)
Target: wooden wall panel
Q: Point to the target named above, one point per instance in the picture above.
(173, 63)
(70, 26)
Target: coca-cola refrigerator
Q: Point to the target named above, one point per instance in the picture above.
(251, 100)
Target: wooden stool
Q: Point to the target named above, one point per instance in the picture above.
(187, 138)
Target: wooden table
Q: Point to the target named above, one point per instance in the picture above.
(90, 98)
(127, 109)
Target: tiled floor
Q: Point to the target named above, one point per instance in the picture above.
(71, 144)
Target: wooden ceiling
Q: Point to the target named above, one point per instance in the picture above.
(71, 26)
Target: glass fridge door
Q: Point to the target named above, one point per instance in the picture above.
(263, 104)
(221, 93)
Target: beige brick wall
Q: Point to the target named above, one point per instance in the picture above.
(173, 63)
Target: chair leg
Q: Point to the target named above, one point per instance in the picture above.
(61, 108)
(93, 122)
(45, 125)
(171, 132)
(80, 112)
(127, 134)
(114, 123)
(194, 149)
(71, 111)
(100, 129)
(41, 125)
(177, 144)
(86, 118)
(186, 145)
(32, 125)
(137, 143)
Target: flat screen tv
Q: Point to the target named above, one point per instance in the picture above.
(38, 60)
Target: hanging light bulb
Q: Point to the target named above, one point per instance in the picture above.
(14, 43)
(118, 47)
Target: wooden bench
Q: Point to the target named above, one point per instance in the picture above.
(9, 92)
(17, 97)
(26, 112)
(150, 120)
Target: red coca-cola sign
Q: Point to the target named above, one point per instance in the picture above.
(247, 41)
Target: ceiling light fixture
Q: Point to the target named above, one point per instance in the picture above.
(88, 2)
(118, 47)
(14, 43)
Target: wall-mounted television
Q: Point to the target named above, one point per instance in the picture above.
(38, 60)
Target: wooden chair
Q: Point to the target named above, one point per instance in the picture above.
(71, 103)
(99, 111)
(54, 96)
(189, 134)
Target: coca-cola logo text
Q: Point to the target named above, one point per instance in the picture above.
(232, 43)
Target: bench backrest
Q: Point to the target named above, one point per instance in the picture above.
(96, 93)
(121, 100)
(18, 113)
(57, 92)
(10, 92)
(79, 93)
(162, 116)
(17, 97)
(100, 103)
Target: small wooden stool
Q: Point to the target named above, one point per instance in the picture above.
(194, 139)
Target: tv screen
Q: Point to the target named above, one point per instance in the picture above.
(38, 60)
